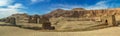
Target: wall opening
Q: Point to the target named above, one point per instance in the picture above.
(106, 22)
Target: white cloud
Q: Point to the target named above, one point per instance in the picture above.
(10, 9)
(16, 6)
(4, 12)
(99, 5)
(5, 2)
(36, 1)
(64, 6)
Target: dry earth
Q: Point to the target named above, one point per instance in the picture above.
(15, 31)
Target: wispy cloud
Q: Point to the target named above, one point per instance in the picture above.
(9, 9)
(16, 6)
(5, 2)
(36, 1)
(99, 5)
(4, 12)
(64, 6)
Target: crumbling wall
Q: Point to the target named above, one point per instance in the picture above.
(21, 19)
(34, 19)
(110, 20)
(46, 24)
(11, 20)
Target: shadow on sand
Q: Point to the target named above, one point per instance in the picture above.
(6, 25)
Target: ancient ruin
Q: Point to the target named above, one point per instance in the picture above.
(110, 20)
(87, 15)
(16, 19)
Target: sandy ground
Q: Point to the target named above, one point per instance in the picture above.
(15, 31)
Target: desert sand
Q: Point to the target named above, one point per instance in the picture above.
(15, 31)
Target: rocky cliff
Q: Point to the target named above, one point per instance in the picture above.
(80, 12)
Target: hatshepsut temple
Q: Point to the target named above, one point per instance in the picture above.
(76, 19)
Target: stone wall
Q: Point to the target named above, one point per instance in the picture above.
(18, 19)
(74, 13)
(110, 20)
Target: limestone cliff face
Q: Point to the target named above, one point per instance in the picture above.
(80, 12)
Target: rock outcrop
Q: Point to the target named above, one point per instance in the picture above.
(80, 12)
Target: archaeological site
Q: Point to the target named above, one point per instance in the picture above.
(59, 17)
(76, 19)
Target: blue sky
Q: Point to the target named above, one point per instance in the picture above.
(8, 7)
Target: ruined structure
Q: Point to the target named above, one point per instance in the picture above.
(104, 14)
(2, 20)
(16, 19)
(34, 19)
(20, 18)
(110, 20)
(11, 20)
(46, 24)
